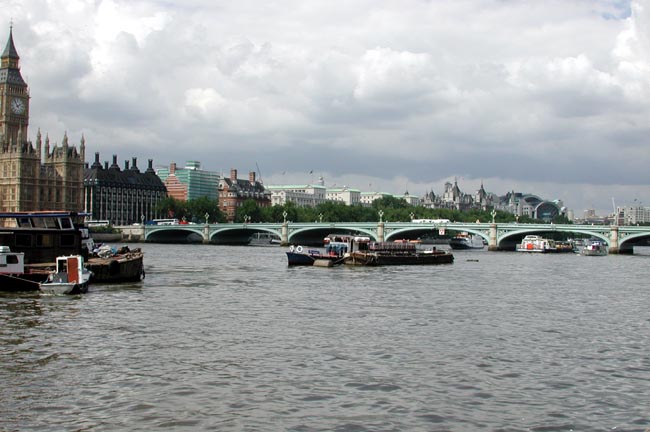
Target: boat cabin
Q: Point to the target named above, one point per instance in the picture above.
(11, 262)
(339, 244)
(42, 236)
(68, 269)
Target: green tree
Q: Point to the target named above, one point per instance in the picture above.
(250, 209)
(390, 202)
(199, 207)
(172, 208)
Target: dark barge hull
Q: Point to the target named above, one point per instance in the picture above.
(121, 268)
(12, 283)
(303, 259)
(373, 259)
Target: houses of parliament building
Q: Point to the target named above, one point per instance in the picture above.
(33, 177)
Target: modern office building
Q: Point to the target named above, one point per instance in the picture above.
(190, 182)
(122, 197)
(33, 178)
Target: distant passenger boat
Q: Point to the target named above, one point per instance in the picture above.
(263, 239)
(594, 248)
(537, 244)
(364, 252)
(336, 246)
(466, 241)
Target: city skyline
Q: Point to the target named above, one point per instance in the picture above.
(547, 99)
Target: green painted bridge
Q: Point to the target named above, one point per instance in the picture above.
(499, 236)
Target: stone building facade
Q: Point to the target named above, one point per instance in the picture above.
(33, 178)
(122, 197)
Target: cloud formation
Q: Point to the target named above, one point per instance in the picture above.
(551, 98)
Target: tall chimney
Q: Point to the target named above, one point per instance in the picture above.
(233, 174)
(251, 177)
(97, 164)
(114, 165)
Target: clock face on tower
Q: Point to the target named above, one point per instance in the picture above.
(17, 106)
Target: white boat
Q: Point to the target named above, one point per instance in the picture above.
(70, 277)
(594, 248)
(12, 272)
(535, 243)
(263, 239)
(466, 241)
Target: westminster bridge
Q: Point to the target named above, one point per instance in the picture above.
(498, 236)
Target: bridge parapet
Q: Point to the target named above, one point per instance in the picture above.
(493, 233)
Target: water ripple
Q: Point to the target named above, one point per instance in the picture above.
(234, 340)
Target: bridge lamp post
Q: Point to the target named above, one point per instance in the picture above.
(412, 216)
(284, 215)
(493, 213)
(381, 215)
(320, 217)
(141, 219)
(207, 216)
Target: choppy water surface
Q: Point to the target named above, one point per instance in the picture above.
(230, 339)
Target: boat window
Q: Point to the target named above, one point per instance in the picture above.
(44, 240)
(39, 222)
(12, 259)
(66, 223)
(24, 240)
(67, 240)
(24, 222)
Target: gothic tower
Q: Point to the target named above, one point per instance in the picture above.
(14, 97)
(26, 183)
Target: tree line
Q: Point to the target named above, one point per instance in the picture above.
(393, 210)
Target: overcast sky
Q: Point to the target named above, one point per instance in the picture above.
(547, 97)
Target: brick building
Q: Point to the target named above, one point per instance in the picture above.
(233, 192)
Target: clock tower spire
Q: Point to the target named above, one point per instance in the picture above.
(14, 96)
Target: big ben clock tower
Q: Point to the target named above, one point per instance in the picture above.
(33, 177)
(14, 97)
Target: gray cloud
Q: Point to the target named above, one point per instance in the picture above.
(542, 97)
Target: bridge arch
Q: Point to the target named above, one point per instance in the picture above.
(522, 231)
(238, 234)
(626, 244)
(172, 233)
(331, 230)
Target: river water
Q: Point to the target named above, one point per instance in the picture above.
(231, 339)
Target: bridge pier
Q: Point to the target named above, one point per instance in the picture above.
(613, 239)
(492, 241)
(380, 232)
(284, 238)
(206, 234)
